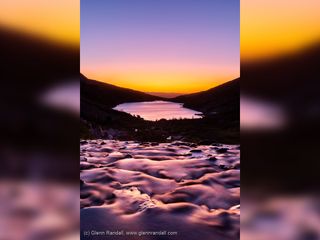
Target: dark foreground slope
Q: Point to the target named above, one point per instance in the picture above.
(32, 67)
(219, 100)
(100, 120)
(292, 83)
(97, 101)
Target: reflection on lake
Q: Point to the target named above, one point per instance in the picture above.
(156, 110)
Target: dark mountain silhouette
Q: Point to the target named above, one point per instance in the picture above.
(165, 94)
(96, 102)
(109, 95)
(284, 78)
(100, 120)
(31, 66)
(218, 100)
(221, 99)
(292, 82)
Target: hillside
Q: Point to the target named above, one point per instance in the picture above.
(99, 120)
(32, 67)
(222, 99)
(284, 78)
(291, 82)
(110, 95)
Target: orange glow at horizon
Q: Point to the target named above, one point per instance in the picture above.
(271, 28)
(170, 46)
(57, 20)
(177, 78)
(163, 82)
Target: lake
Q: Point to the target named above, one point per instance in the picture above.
(156, 110)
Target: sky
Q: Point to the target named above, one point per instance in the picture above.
(197, 32)
(270, 28)
(55, 20)
(161, 45)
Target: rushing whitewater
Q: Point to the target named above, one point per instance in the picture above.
(156, 110)
(178, 190)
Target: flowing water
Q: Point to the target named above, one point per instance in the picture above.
(184, 190)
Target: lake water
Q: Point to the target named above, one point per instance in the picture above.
(156, 110)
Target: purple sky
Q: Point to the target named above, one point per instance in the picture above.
(160, 45)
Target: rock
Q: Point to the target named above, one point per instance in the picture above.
(222, 150)
(83, 158)
(128, 156)
(111, 196)
(196, 151)
(171, 149)
(108, 150)
(116, 185)
(224, 167)
(83, 142)
(212, 159)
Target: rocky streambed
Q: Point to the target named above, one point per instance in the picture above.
(177, 190)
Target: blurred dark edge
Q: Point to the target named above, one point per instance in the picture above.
(283, 160)
(37, 141)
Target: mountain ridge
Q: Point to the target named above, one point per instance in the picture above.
(223, 98)
(195, 100)
(98, 91)
(100, 120)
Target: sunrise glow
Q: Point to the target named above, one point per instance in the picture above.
(160, 46)
(57, 20)
(271, 28)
